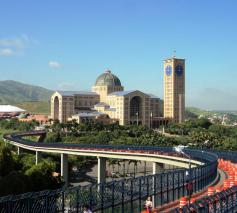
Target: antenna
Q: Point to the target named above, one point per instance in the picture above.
(174, 54)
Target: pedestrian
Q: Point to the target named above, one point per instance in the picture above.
(189, 188)
(86, 209)
(148, 204)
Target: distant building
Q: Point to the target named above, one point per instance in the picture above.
(42, 119)
(8, 111)
(64, 104)
(93, 116)
(109, 98)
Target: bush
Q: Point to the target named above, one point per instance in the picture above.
(14, 183)
(7, 163)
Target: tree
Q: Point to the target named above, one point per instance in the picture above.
(135, 162)
(14, 183)
(7, 163)
(53, 137)
(112, 163)
(124, 167)
(41, 176)
(144, 168)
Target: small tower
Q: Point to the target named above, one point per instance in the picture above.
(174, 88)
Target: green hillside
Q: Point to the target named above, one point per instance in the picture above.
(203, 112)
(13, 92)
(36, 107)
(231, 115)
(198, 111)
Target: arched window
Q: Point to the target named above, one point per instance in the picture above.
(56, 108)
(135, 106)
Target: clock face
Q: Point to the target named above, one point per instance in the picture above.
(168, 70)
(179, 70)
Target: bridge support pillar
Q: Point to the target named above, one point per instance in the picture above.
(42, 137)
(37, 157)
(101, 170)
(19, 150)
(64, 168)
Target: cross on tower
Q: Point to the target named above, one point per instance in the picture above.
(174, 54)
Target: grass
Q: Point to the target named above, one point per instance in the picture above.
(36, 107)
(198, 111)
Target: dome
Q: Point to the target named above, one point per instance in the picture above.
(107, 79)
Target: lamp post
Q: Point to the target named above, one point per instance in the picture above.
(151, 120)
(137, 117)
(179, 149)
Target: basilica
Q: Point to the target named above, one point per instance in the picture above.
(108, 102)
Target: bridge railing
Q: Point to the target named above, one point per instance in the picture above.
(225, 201)
(127, 195)
(230, 155)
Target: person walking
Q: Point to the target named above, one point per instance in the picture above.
(148, 204)
(86, 209)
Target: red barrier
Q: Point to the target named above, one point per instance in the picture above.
(210, 191)
(182, 202)
(192, 200)
(218, 189)
(232, 183)
(226, 184)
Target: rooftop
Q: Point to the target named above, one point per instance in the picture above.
(122, 93)
(102, 104)
(107, 79)
(153, 96)
(10, 108)
(72, 93)
(89, 114)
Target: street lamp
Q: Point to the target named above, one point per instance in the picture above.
(179, 149)
(151, 120)
(137, 117)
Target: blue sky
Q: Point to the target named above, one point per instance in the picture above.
(67, 44)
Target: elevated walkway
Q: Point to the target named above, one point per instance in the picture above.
(125, 195)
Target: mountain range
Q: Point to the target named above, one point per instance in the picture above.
(13, 92)
(36, 99)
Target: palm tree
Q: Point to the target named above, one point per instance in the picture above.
(112, 163)
(136, 165)
(124, 166)
(135, 162)
(144, 168)
(128, 166)
(118, 164)
(50, 121)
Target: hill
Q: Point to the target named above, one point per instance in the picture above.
(198, 112)
(230, 116)
(36, 107)
(208, 113)
(13, 92)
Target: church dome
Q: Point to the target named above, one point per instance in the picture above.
(107, 79)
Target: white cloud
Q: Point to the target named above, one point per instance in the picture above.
(54, 64)
(6, 52)
(16, 45)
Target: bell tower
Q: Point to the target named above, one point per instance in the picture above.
(174, 89)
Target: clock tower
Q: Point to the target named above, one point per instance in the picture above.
(174, 89)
